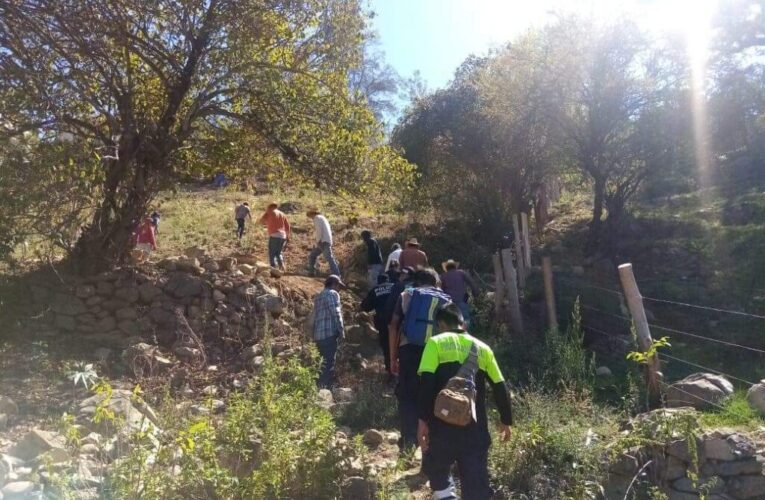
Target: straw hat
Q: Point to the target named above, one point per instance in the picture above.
(413, 242)
(312, 211)
(449, 262)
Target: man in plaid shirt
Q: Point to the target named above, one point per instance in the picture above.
(328, 327)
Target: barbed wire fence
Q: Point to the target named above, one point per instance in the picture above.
(700, 344)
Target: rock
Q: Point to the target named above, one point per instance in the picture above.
(102, 354)
(147, 292)
(257, 362)
(210, 390)
(218, 296)
(168, 264)
(128, 294)
(8, 406)
(756, 397)
(85, 291)
(106, 324)
(732, 468)
(726, 445)
(252, 351)
(358, 488)
(187, 354)
(708, 484)
(53, 456)
(343, 394)
(126, 313)
(227, 264)
(325, 398)
(36, 442)
(64, 322)
(680, 495)
(626, 464)
(211, 266)
(128, 409)
(276, 273)
(700, 391)
(373, 438)
(17, 490)
(747, 486)
(603, 371)
(129, 327)
(68, 305)
(247, 269)
(674, 468)
(183, 285)
(187, 265)
(289, 207)
(355, 334)
(195, 252)
(270, 303)
(680, 449)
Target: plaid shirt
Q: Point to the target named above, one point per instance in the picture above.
(328, 315)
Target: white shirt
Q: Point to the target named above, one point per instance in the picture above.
(321, 229)
(393, 256)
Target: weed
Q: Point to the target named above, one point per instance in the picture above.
(735, 412)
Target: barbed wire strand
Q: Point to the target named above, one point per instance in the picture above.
(679, 332)
(696, 365)
(666, 386)
(594, 287)
(612, 335)
(707, 308)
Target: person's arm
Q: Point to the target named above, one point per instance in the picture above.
(287, 228)
(339, 312)
(427, 396)
(152, 238)
(425, 256)
(471, 283)
(393, 336)
(249, 214)
(369, 301)
(501, 396)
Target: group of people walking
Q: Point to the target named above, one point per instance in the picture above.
(423, 323)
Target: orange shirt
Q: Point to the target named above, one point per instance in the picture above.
(276, 224)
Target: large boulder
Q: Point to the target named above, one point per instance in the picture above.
(727, 445)
(700, 391)
(270, 303)
(756, 397)
(35, 443)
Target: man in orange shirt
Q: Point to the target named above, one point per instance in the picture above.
(279, 232)
(412, 256)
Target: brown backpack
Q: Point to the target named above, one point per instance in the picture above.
(455, 403)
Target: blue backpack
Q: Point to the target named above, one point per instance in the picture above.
(419, 323)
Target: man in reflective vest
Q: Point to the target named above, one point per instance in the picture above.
(442, 443)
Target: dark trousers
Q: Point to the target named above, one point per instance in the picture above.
(470, 450)
(275, 246)
(381, 325)
(407, 391)
(328, 351)
(240, 228)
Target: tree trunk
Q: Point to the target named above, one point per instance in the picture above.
(597, 215)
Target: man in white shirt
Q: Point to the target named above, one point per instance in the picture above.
(323, 234)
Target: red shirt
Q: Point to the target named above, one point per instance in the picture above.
(146, 235)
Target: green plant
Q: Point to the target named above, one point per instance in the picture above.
(369, 409)
(566, 362)
(643, 357)
(83, 374)
(735, 412)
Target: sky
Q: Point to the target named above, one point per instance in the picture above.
(435, 36)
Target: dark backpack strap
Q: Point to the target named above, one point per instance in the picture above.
(469, 368)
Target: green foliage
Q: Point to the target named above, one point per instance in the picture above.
(556, 447)
(274, 441)
(83, 374)
(736, 412)
(566, 362)
(369, 409)
(643, 357)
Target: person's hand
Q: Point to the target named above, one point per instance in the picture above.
(423, 435)
(505, 431)
(394, 366)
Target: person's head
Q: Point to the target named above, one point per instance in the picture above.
(449, 318)
(312, 212)
(366, 235)
(395, 246)
(450, 265)
(246, 204)
(382, 278)
(272, 206)
(334, 282)
(426, 277)
(413, 243)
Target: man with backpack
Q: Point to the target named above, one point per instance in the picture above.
(412, 324)
(451, 407)
(376, 300)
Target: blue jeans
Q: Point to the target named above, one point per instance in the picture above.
(407, 392)
(240, 228)
(373, 271)
(465, 310)
(326, 249)
(275, 246)
(328, 350)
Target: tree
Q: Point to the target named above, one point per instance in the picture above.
(375, 82)
(143, 83)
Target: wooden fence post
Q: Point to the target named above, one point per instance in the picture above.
(526, 242)
(499, 284)
(519, 253)
(552, 313)
(511, 287)
(635, 305)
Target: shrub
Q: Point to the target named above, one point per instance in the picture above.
(566, 362)
(369, 410)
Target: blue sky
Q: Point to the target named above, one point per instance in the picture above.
(435, 36)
